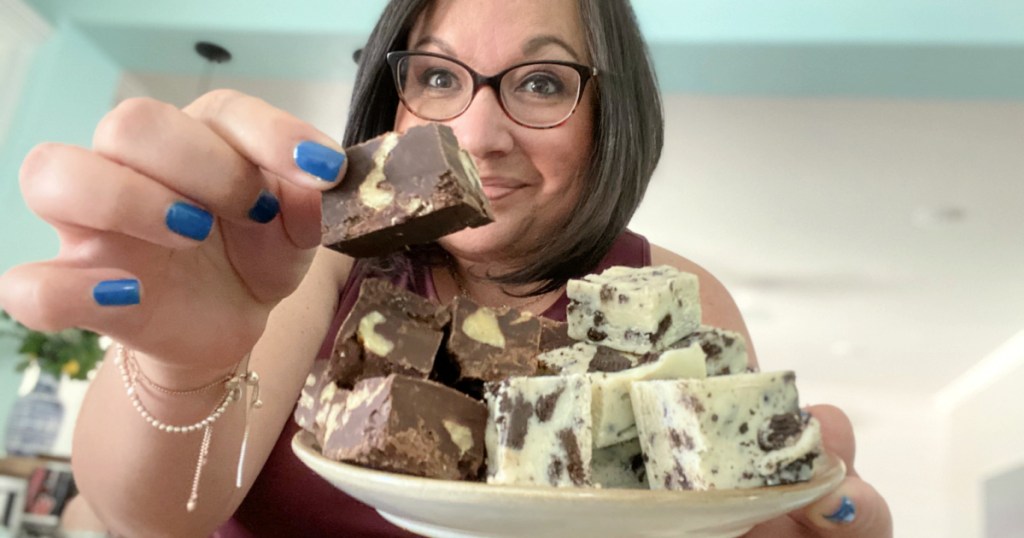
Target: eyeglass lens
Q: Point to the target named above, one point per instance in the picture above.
(537, 95)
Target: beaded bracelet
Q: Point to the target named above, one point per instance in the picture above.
(234, 386)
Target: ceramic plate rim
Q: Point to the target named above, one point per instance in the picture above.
(827, 480)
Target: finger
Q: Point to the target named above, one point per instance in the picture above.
(67, 185)
(855, 509)
(50, 296)
(836, 433)
(162, 143)
(271, 138)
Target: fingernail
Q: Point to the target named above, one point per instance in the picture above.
(846, 512)
(189, 221)
(266, 208)
(318, 160)
(123, 292)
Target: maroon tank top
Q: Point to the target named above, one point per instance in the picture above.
(288, 499)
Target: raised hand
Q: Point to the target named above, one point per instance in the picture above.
(179, 230)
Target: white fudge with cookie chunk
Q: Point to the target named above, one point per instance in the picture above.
(634, 309)
(736, 431)
(538, 431)
(726, 350)
(613, 417)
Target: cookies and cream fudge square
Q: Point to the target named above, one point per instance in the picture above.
(726, 350)
(613, 420)
(634, 309)
(734, 431)
(538, 431)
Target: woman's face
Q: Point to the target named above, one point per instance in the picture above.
(531, 176)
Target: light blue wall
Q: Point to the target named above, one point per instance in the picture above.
(71, 84)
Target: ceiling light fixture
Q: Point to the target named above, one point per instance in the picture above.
(213, 54)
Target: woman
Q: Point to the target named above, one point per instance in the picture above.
(214, 258)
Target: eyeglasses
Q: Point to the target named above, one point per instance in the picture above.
(540, 95)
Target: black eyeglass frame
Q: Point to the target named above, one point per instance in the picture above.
(585, 72)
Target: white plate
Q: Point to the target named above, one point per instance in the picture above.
(451, 509)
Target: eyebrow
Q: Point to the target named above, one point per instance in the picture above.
(539, 42)
(530, 48)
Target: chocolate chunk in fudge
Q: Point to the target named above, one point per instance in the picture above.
(402, 190)
(489, 344)
(554, 334)
(389, 330)
(411, 426)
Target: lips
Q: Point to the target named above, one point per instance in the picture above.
(496, 188)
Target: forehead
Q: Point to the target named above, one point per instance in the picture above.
(498, 32)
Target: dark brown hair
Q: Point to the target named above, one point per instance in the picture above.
(627, 139)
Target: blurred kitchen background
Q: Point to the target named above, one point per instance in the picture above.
(853, 171)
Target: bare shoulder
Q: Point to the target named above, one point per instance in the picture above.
(718, 308)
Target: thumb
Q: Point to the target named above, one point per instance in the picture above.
(855, 510)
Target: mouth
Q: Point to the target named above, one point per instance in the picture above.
(498, 188)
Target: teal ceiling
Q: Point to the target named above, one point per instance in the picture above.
(941, 49)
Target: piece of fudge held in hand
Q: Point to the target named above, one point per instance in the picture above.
(538, 431)
(734, 431)
(411, 426)
(726, 350)
(636, 310)
(388, 331)
(402, 190)
(488, 344)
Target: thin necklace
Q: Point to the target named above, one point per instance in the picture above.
(465, 293)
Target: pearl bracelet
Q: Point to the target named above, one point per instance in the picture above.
(234, 386)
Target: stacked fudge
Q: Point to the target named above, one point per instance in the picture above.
(631, 392)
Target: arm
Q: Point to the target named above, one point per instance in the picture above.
(189, 236)
(137, 479)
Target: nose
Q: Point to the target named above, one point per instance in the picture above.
(483, 129)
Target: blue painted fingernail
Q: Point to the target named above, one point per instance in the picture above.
(189, 221)
(124, 292)
(318, 160)
(266, 208)
(846, 512)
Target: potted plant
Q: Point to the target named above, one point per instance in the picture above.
(37, 417)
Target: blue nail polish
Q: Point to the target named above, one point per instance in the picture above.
(846, 512)
(189, 221)
(266, 208)
(319, 160)
(123, 292)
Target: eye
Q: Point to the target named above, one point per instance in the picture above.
(542, 84)
(439, 78)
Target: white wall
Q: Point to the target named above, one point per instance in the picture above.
(985, 437)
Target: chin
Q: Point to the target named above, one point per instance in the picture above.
(487, 243)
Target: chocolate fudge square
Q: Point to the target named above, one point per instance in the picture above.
(389, 330)
(402, 190)
(411, 426)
